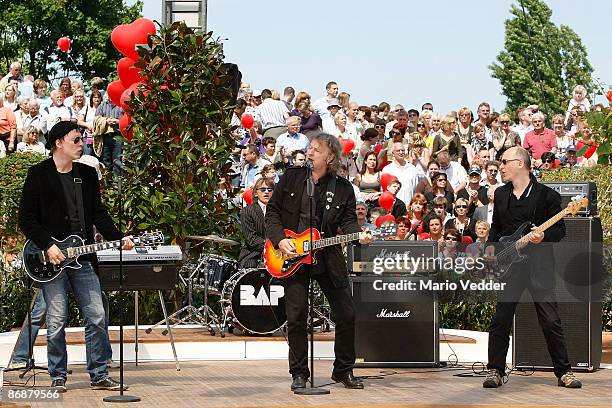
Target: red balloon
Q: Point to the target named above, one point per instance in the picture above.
(590, 151)
(379, 221)
(347, 146)
(125, 36)
(115, 89)
(124, 122)
(378, 148)
(127, 95)
(247, 196)
(388, 218)
(386, 200)
(557, 163)
(247, 121)
(609, 96)
(128, 73)
(385, 179)
(64, 44)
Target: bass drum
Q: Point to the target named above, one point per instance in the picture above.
(255, 301)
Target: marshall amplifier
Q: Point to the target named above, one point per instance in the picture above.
(395, 326)
(569, 189)
(393, 257)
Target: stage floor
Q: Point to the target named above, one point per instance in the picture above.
(266, 384)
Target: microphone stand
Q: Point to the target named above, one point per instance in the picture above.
(121, 397)
(310, 191)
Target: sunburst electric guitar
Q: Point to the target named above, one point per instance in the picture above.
(281, 265)
(512, 244)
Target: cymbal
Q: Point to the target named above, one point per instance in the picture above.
(213, 238)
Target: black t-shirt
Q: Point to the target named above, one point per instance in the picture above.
(68, 186)
(521, 209)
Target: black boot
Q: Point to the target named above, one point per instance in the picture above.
(348, 379)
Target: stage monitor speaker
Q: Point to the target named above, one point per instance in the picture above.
(394, 328)
(578, 290)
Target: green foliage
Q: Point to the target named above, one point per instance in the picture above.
(467, 315)
(181, 145)
(13, 299)
(600, 126)
(13, 171)
(30, 30)
(545, 69)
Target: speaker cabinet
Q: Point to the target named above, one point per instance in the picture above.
(394, 328)
(579, 291)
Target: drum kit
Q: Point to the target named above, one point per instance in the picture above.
(251, 299)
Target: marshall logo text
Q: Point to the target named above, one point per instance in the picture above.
(385, 314)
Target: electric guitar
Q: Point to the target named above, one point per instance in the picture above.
(38, 267)
(281, 265)
(512, 244)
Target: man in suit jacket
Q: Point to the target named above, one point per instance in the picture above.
(50, 209)
(484, 212)
(523, 199)
(252, 220)
(289, 209)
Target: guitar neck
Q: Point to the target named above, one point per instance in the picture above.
(340, 239)
(521, 243)
(89, 249)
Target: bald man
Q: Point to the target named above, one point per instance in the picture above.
(523, 199)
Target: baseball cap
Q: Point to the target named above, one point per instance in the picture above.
(475, 169)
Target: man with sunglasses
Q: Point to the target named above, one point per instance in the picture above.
(523, 199)
(61, 197)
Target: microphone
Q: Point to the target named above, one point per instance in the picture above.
(309, 181)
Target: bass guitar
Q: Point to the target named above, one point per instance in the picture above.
(512, 244)
(281, 265)
(38, 267)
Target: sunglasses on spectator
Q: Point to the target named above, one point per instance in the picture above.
(379, 126)
(395, 133)
(420, 125)
(461, 206)
(266, 189)
(452, 239)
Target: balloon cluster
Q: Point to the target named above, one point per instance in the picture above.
(125, 38)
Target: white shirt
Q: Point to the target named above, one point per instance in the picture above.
(490, 214)
(407, 175)
(329, 124)
(37, 148)
(262, 206)
(456, 174)
(272, 113)
(320, 107)
(57, 114)
(39, 121)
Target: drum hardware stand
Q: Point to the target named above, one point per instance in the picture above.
(203, 316)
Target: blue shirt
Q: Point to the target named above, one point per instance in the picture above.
(292, 142)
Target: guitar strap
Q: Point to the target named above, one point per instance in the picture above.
(329, 196)
(78, 192)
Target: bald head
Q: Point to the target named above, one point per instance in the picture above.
(518, 152)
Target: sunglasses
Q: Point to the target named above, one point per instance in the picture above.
(451, 239)
(549, 161)
(78, 139)
(394, 133)
(506, 161)
(461, 206)
(266, 189)
(420, 125)
(379, 126)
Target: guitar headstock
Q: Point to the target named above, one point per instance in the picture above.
(150, 238)
(388, 229)
(575, 205)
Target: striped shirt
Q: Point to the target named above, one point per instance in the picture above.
(272, 113)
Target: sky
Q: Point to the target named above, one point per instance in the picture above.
(399, 51)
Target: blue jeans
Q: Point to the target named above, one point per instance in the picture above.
(111, 152)
(39, 312)
(86, 288)
(38, 319)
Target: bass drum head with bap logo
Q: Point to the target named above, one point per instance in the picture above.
(257, 301)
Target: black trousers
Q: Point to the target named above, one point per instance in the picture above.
(548, 318)
(343, 313)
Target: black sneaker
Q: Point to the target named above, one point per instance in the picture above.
(108, 384)
(493, 380)
(59, 385)
(569, 380)
(299, 381)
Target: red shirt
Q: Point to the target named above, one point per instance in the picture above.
(538, 143)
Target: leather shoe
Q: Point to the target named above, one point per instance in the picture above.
(298, 382)
(348, 379)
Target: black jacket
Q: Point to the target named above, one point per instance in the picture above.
(43, 213)
(545, 203)
(254, 230)
(283, 212)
